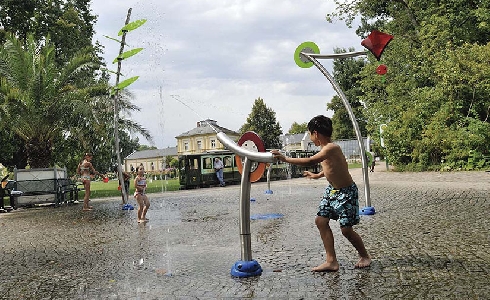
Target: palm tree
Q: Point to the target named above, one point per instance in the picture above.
(45, 104)
(37, 94)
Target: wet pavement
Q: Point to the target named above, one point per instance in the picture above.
(429, 239)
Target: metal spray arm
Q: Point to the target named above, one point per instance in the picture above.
(254, 156)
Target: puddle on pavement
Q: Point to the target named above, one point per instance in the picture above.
(266, 216)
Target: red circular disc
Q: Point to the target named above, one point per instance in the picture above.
(251, 141)
(381, 69)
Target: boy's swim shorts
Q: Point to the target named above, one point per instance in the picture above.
(341, 204)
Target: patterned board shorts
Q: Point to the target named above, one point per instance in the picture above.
(342, 205)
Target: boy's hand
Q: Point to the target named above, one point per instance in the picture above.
(309, 175)
(278, 155)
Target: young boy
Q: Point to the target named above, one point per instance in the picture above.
(340, 200)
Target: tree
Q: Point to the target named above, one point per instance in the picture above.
(69, 23)
(146, 147)
(262, 120)
(48, 108)
(435, 96)
(298, 128)
(37, 94)
(347, 75)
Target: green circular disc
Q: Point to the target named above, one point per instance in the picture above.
(307, 47)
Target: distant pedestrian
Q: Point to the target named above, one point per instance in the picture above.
(140, 195)
(340, 199)
(218, 168)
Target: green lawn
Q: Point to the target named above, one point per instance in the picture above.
(109, 189)
(100, 189)
(355, 165)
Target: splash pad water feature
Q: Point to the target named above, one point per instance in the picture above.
(307, 55)
(249, 142)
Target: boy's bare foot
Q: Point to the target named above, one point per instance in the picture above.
(363, 262)
(327, 267)
(87, 209)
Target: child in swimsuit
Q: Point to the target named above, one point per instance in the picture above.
(140, 195)
(85, 169)
(340, 200)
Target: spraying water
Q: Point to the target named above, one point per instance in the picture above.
(176, 97)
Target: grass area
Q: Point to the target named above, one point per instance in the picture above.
(109, 189)
(100, 189)
(355, 165)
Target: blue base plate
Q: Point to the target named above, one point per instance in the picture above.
(246, 268)
(127, 207)
(367, 210)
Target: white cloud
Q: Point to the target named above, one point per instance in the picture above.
(219, 56)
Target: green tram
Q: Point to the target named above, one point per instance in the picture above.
(196, 170)
(297, 171)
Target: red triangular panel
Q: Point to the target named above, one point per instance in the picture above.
(376, 42)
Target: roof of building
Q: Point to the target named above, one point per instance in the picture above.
(151, 153)
(292, 138)
(203, 128)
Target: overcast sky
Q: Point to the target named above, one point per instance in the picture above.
(218, 56)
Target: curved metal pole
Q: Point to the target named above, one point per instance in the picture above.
(269, 170)
(232, 146)
(352, 117)
(336, 55)
(245, 238)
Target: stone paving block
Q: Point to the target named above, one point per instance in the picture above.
(428, 239)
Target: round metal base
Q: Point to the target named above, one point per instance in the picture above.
(367, 210)
(246, 268)
(127, 207)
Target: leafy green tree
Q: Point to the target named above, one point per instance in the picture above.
(69, 23)
(88, 125)
(346, 72)
(38, 95)
(146, 147)
(298, 128)
(262, 120)
(435, 96)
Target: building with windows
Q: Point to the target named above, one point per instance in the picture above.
(198, 140)
(153, 159)
(297, 141)
(203, 138)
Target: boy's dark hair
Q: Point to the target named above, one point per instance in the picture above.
(321, 124)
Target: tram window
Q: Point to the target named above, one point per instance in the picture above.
(227, 162)
(207, 163)
(193, 164)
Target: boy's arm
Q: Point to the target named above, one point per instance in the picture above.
(311, 175)
(301, 161)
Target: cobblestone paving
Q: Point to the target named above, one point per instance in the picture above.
(429, 239)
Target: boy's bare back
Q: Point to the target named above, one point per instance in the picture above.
(334, 166)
